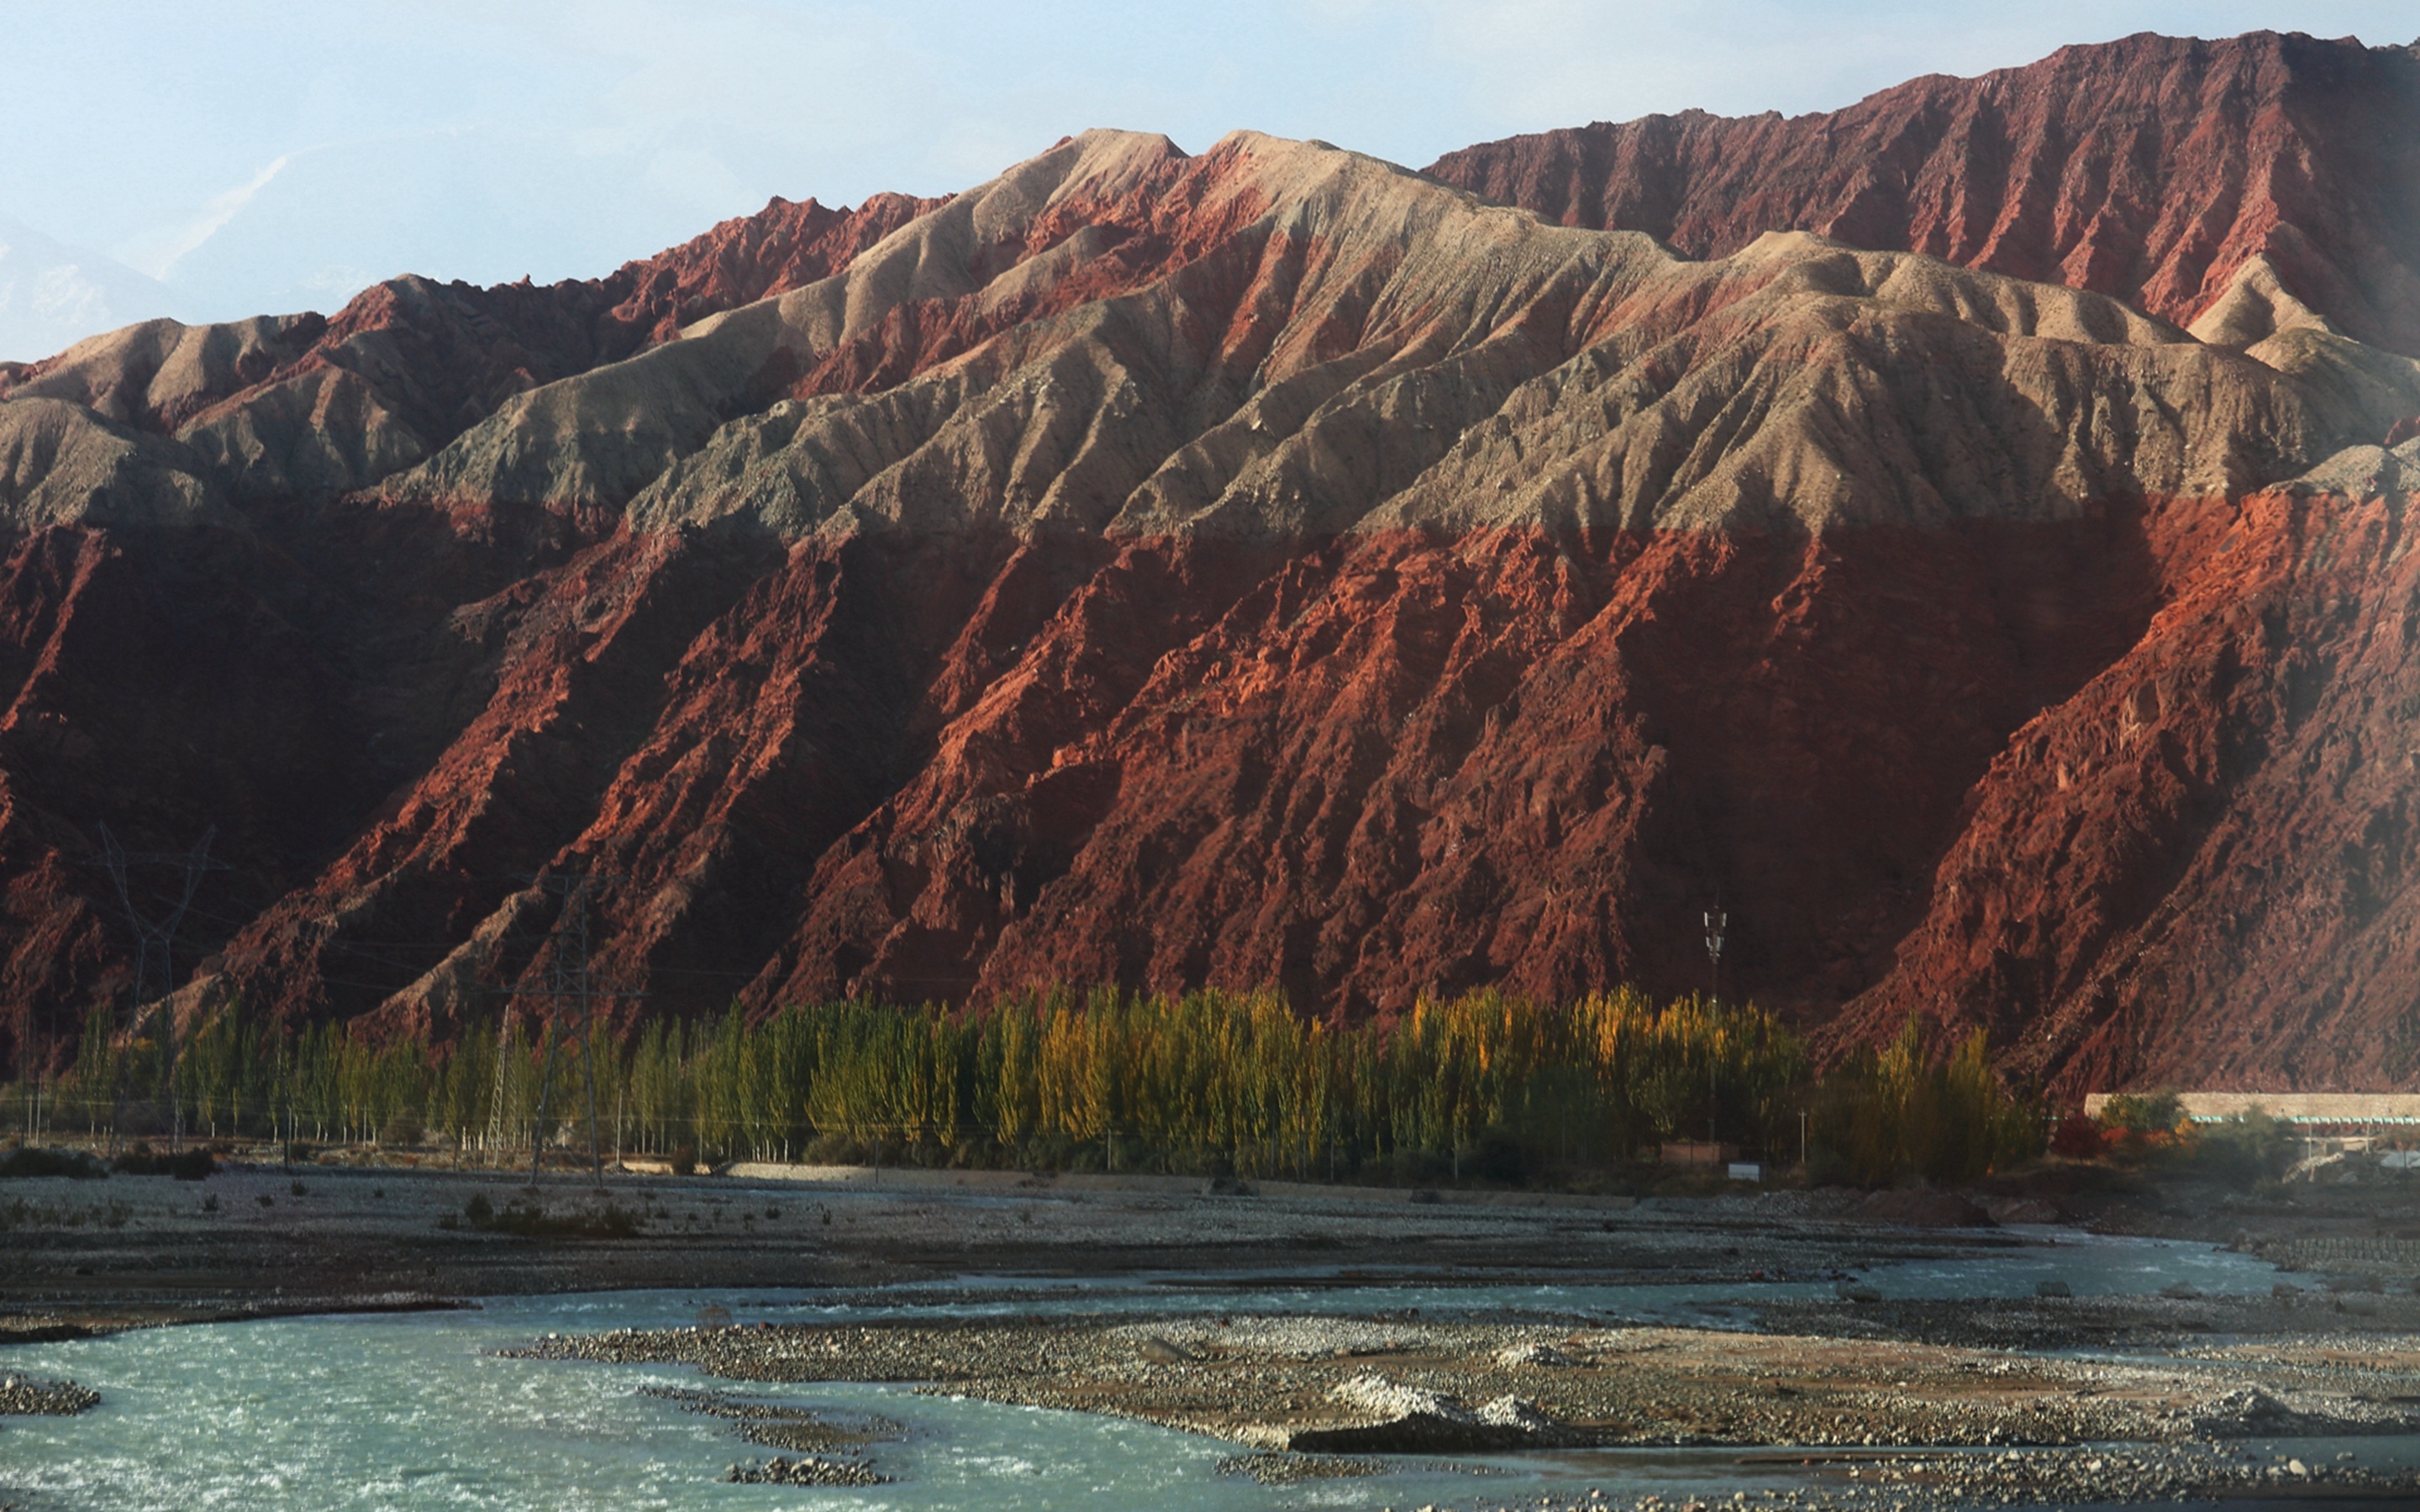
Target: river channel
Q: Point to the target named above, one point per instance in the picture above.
(417, 1410)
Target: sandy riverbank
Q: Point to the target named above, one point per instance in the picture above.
(261, 1239)
(265, 1238)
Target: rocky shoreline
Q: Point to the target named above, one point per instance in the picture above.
(1328, 1397)
(2099, 1475)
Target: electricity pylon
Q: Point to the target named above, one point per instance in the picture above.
(156, 936)
(567, 981)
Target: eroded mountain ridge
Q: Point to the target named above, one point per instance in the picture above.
(1272, 565)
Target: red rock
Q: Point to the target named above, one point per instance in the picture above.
(1259, 567)
(2198, 868)
(2150, 169)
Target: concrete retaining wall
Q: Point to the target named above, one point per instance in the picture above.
(2300, 1107)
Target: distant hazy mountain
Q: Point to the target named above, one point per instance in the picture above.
(53, 294)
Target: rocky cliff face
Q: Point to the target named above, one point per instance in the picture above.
(1264, 566)
(2154, 169)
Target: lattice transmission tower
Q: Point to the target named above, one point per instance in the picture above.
(567, 981)
(155, 945)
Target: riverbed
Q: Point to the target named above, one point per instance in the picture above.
(418, 1412)
(429, 1409)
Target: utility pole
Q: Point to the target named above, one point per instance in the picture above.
(567, 981)
(1715, 922)
(159, 936)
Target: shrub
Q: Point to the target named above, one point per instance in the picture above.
(829, 1149)
(2244, 1150)
(529, 1219)
(2144, 1113)
(1497, 1158)
(2077, 1138)
(1904, 1112)
(190, 1165)
(69, 1162)
(479, 1209)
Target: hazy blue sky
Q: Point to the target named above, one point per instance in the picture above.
(254, 156)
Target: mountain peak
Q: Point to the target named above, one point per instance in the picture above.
(2149, 168)
(53, 294)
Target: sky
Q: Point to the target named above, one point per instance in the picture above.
(211, 161)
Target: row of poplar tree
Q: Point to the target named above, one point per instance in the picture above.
(1484, 1084)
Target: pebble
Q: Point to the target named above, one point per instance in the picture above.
(807, 1470)
(23, 1397)
(1277, 1469)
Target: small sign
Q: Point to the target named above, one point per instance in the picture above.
(1746, 1170)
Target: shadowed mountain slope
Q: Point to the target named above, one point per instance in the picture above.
(1264, 566)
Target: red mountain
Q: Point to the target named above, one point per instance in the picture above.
(1273, 565)
(2152, 169)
